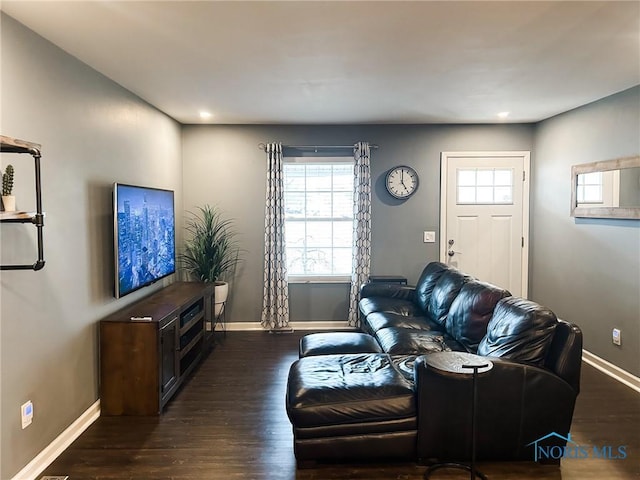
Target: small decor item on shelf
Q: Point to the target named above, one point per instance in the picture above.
(8, 200)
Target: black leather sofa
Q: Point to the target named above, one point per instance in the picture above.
(356, 399)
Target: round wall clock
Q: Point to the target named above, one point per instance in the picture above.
(401, 182)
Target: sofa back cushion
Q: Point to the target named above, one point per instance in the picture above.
(430, 275)
(471, 312)
(520, 330)
(444, 293)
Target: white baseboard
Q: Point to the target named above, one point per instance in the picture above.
(612, 370)
(46, 457)
(310, 325)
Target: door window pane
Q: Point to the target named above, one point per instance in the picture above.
(503, 178)
(484, 186)
(466, 178)
(466, 194)
(485, 177)
(484, 195)
(504, 195)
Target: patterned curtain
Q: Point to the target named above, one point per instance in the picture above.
(361, 228)
(275, 304)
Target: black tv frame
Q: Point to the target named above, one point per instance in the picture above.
(158, 205)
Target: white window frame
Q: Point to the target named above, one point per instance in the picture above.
(324, 278)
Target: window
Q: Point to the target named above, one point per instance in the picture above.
(484, 186)
(318, 202)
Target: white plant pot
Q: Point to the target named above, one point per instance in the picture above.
(9, 203)
(221, 292)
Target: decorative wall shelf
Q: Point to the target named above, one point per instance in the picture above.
(12, 145)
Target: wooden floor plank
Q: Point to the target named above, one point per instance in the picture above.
(229, 422)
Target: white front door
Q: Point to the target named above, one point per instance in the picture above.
(485, 216)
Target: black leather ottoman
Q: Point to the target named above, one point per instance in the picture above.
(329, 343)
(351, 406)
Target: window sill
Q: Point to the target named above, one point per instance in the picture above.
(318, 279)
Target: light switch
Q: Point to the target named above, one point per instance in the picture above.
(429, 237)
(617, 336)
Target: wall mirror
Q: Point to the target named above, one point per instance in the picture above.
(608, 189)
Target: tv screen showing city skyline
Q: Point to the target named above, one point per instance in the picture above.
(144, 224)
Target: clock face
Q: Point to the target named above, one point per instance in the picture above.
(402, 181)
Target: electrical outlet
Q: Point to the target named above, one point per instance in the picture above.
(616, 336)
(429, 237)
(26, 413)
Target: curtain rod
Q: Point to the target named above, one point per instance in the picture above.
(262, 146)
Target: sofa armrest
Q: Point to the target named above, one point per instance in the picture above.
(565, 353)
(518, 404)
(389, 290)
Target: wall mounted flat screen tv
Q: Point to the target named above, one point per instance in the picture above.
(144, 236)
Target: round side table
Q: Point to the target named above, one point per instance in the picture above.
(461, 363)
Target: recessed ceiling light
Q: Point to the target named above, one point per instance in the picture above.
(503, 114)
(205, 115)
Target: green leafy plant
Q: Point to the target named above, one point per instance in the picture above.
(211, 252)
(7, 180)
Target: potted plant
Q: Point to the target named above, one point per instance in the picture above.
(8, 200)
(211, 251)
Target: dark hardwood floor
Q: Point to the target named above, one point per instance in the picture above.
(229, 422)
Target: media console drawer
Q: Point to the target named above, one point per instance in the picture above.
(149, 348)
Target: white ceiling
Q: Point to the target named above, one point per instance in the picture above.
(341, 62)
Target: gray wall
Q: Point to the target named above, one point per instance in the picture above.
(93, 132)
(587, 271)
(223, 166)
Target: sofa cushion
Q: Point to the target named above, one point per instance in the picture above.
(471, 311)
(428, 279)
(520, 330)
(444, 293)
(369, 305)
(347, 389)
(405, 341)
(379, 320)
(330, 343)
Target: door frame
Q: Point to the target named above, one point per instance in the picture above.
(526, 164)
